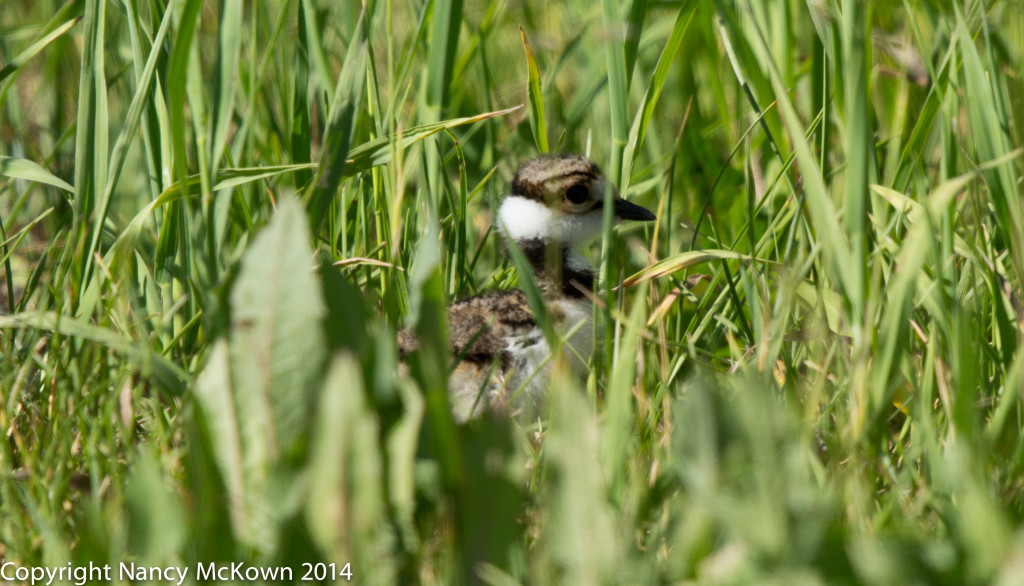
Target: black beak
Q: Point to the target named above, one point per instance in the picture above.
(630, 211)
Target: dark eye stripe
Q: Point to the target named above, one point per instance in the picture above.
(588, 175)
(528, 190)
(538, 177)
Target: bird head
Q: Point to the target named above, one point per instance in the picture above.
(560, 198)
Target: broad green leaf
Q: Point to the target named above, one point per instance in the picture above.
(582, 538)
(402, 444)
(215, 395)
(428, 364)
(258, 390)
(157, 521)
(277, 345)
(346, 508)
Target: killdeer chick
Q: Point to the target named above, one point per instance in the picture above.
(554, 206)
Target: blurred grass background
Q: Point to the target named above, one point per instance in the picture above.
(216, 215)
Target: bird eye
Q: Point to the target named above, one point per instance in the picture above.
(577, 193)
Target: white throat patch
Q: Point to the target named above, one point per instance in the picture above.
(525, 219)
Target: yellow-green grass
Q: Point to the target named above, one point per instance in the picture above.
(216, 215)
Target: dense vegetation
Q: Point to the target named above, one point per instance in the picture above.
(216, 215)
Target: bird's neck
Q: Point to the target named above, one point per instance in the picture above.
(558, 271)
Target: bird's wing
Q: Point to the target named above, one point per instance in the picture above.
(480, 327)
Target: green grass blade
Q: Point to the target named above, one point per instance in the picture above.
(925, 122)
(823, 212)
(174, 242)
(990, 142)
(895, 324)
(444, 40)
(22, 58)
(120, 152)
(168, 375)
(29, 171)
(300, 139)
(681, 262)
(634, 30)
(92, 128)
(859, 154)
(535, 95)
(226, 179)
(223, 97)
(638, 131)
(341, 123)
(534, 297)
(379, 152)
(177, 82)
(427, 315)
(619, 400)
(314, 44)
(618, 93)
